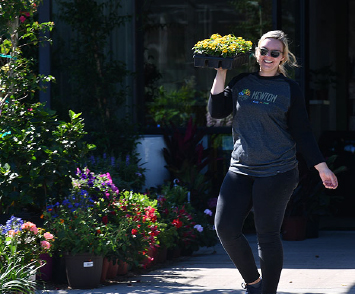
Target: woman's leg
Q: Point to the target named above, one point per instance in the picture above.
(270, 198)
(233, 206)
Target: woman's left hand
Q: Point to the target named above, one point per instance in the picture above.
(329, 179)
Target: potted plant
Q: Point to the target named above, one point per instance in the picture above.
(222, 51)
(21, 246)
(84, 236)
(81, 238)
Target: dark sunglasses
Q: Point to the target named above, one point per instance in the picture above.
(273, 53)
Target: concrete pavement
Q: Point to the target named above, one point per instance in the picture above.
(322, 265)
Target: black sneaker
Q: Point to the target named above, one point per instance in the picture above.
(253, 289)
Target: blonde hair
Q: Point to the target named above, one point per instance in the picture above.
(289, 57)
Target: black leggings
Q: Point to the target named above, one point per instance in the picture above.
(269, 197)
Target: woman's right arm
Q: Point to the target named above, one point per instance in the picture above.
(220, 104)
(219, 81)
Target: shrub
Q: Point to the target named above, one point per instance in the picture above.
(38, 155)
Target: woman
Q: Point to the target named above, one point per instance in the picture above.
(269, 121)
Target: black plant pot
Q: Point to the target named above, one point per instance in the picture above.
(83, 270)
(217, 62)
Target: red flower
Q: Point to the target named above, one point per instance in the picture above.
(177, 223)
(134, 232)
(105, 220)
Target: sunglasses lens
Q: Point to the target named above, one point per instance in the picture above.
(275, 54)
(263, 51)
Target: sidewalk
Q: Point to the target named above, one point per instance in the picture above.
(323, 265)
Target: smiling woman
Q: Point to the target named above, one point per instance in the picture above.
(269, 121)
(273, 53)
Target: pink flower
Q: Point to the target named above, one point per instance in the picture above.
(45, 245)
(22, 18)
(28, 226)
(48, 236)
(11, 233)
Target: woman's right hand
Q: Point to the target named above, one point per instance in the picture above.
(219, 81)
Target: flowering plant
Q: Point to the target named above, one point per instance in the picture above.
(77, 228)
(226, 46)
(127, 172)
(144, 227)
(99, 219)
(26, 240)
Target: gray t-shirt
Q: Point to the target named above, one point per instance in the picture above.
(269, 120)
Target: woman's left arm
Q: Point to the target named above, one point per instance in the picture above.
(329, 179)
(301, 131)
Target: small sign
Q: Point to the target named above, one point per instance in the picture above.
(88, 264)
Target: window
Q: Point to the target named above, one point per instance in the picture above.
(175, 90)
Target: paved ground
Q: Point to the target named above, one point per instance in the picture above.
(322, 265)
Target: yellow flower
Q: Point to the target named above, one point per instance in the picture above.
(226, 46)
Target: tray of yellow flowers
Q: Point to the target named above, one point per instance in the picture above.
(222, 51)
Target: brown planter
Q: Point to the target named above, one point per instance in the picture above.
(161, 255)
(294, 228)
(122, 268)
(112, 269)
(105, 265)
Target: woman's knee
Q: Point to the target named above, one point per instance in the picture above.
(225, 230)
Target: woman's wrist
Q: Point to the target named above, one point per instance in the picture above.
(321, 166)
(219, 81)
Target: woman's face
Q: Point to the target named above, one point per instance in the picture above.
(266, 56)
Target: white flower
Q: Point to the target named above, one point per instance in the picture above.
(198, 228)
(208, 212)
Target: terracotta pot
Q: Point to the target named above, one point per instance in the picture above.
(105, 265)
(161, 255)
(150, 260)
(112, 269)
(122, 268)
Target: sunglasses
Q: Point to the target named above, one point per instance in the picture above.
(273, 53)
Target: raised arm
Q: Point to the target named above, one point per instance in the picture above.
(219, 81)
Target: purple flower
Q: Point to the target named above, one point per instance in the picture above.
(208, 212)
(127, 159)
(199, 228)
(14, 223)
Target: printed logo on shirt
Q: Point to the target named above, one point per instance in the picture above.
(263, 97)
(244, 95)
(257, 97)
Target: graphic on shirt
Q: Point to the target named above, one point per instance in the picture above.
(257, 97)
(244, 95)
